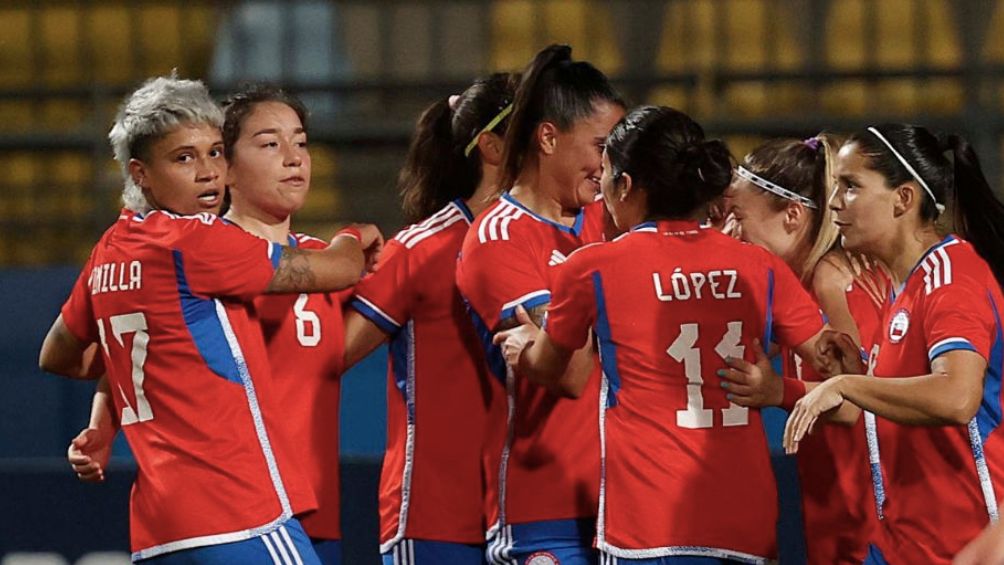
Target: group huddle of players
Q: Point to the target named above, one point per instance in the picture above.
(580, 318)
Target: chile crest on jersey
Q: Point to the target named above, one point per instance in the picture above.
(899, 325)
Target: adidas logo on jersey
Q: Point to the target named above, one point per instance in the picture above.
(557, 258)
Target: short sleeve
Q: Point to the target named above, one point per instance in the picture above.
(218, 259)
(78, 312)
(573, 304)
(383, 297)
(497, 276)
(795, 315)
(959, 316)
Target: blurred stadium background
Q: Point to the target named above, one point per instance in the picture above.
(746, 69)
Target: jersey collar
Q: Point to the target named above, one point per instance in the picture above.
(575, 229)
(672, 227)
(462, 206)
(646, 226)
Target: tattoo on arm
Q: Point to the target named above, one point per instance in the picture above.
(536, 314)
(294, 272)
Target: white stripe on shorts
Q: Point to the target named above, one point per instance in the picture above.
(271, 550)
(292, 547)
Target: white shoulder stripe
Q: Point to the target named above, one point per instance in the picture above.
(499, 228)
(420, 225)
(447, 216)
(504, 227)
(490, 220)
(937, 268)
(932, 267)
(493, 223)
(424, 224)
(417, 238)
(946, 266)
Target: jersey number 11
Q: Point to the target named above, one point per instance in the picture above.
(683, 350)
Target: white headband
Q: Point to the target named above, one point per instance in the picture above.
(774, 188)
(909, 169)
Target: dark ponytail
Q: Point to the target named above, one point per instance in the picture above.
(438, 168)
(554, 89)
(979, 215)
(428, 163)
(667, 156)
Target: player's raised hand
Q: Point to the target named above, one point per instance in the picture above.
(89, 452)
(372, 242)
(807, 411)
(837, 353)
(752, 384)
(514, 341)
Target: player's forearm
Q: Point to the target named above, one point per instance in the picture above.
(846, 415)
(338, 266)
(63, 354)
(932, 399)
(543, 364)
(573, 380)
(102, 408)
(361, 337)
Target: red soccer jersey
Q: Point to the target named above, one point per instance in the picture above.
(835, 479)
(167, 297)
(431, 485)
(305, 338)
(942, 482)
(543, 464)
(668, 302)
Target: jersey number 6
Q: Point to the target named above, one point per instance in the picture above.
(305, 318)
(683, 350)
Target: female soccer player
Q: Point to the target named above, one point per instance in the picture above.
(780, 198)
(686, 473)
(939, 350)
(432, 486)
(544, 456)
(265, 142)
(166, 296)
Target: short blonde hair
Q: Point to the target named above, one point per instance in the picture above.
(151, 112)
